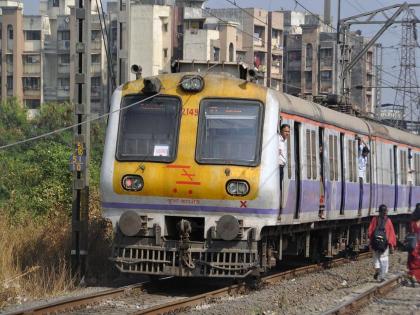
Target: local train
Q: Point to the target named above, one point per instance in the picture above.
(190, 177)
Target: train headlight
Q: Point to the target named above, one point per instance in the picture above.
(237, 187)
(132, 182)
(192, 83)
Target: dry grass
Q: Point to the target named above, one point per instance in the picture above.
(35, 255)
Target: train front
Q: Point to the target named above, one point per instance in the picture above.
(189, 175)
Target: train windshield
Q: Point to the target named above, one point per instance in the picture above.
(229, 132)
(148, 131)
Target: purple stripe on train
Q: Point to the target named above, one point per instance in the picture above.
(196, 208)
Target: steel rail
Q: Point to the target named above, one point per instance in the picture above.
(199, 299)
(75, 302)
(364, 298)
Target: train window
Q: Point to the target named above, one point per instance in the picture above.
(391, 167)
(403, 167)
(353, 167)
(148, 131)
(331, 156)
(314, 154)
(229, 132)
(308, 154)
(417, 170)
(335, 157)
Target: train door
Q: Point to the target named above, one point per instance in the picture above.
(395, 175)
(289, 194)
(410, 179)
(322, 179)
(298, 171)
(343, 174)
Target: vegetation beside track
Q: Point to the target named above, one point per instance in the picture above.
(35, 204)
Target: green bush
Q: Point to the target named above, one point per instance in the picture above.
(35, 178)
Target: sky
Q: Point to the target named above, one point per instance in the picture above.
(391, 38)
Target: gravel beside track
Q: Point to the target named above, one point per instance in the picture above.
(404, 300)
(309, 294)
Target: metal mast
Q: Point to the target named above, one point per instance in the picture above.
(406, 103)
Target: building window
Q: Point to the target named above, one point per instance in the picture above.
(10, 82)
(96, 35)
(216, 53)
(96, 58)
(64, 84)
(165, 27)
(63, 35)
(64, 59)
(33, 104)
(95, 81)
(309, 55)
(56, 3)
(10, 31)
(31, 83)
(31, 59)
(326, 75)
(32, 35)
(9, 59)
(165, 52)
(231, 52)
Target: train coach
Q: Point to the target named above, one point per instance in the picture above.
(190, 177)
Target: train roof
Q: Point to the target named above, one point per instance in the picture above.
(297, 106)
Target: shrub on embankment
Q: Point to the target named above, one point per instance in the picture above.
(35, 204)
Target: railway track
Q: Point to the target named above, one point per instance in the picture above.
(363, 298)
(67, 305)
(77, 302)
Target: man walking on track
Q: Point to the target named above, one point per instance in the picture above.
(382, 241)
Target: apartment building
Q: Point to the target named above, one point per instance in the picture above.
(253, 36)
(311, 63)
(143, 32)
(36, 55)
(59, 51)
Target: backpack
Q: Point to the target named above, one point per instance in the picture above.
(410, 242)
(379, 241)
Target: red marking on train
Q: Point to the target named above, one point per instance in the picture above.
(188, 183)
(175, 190)
(190, 176)
(178, 166)
(243, 204)
(190, 191)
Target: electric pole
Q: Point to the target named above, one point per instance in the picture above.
(80, 156)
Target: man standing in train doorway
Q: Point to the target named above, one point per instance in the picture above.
(362, 161)
(283, 137)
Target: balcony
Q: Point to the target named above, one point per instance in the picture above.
(276, 45)
(50, 92)
(95, 92)
(63, 45)
(64, 68)
(31, 92)
(96, 45)
(275, 69)
(63, 92)
(32, 45)
(32, 68)
(95, 68)
(258, 42)
(326, 62)
(326, 87)
(50, 45)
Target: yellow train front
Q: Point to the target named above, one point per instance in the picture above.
(190, 175)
